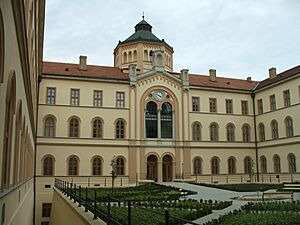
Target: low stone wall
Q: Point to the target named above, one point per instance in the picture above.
(64, 211)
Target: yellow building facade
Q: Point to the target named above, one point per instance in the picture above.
(21, 46)
(160, 125)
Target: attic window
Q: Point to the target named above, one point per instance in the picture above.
(67, 69)
(228, 82)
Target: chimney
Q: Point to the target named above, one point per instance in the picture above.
(212, 75)
(184, 76)
(132, 74)
(82, 62)
(249, 79)
(272, 72)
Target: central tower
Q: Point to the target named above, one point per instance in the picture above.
(141, 48)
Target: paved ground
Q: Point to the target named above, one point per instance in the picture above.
(207, 193)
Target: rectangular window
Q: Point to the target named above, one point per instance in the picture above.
(229, 108)
(97, 98)
(260, 108)
(51, 95)
(196, 104)
(212, 104)
(120, 103)
(74, 96)
(46, 209)
(286, 98)
(245, 107)
(272, 103)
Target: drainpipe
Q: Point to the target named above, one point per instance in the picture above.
(35, 152)
(255, 135)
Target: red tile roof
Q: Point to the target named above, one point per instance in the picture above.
(70, 69)
(285, 74)
(222, 82)
(106, 72)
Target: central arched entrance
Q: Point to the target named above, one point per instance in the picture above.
(167, 168)
(152, 168)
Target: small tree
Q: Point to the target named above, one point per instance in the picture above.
(113, 164)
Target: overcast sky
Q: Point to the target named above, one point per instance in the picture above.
(237, 38)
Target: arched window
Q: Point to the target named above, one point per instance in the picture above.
(277, 167)
(230, 132)
(196, 131)
(248, 165)
(215, 169)
(8, 128)
(130, 56)
(166, 120)
(263, 163)
(97, 128)
(231, 165)
(120, 129)
(120, 165)
(274, 129)
(49, 130)
(146, 55)
(159, 60)
(151, 120)
(214, 132)
(48, 166)
(124, 57)
(73, 164)
(97, 166)
(246, 133)
(261, 132)
(134, 55)
(74, 127)
(289, 127)
(292, 163)
(1, 48)
(197, 166)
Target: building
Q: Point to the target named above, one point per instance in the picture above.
(21, 47)
(162, 125)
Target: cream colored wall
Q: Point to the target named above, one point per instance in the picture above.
(18, 198)
(221, 118)
(66, 212)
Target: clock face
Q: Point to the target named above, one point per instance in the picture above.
(159, 95)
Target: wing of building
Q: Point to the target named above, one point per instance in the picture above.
(21, 47)
(159, 125)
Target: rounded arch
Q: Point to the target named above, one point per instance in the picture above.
(170, 97)
(120, 128)
(73, 162)
(248, 164)
(146, 55)
(10, 109)
(289, 130)
(197, 165)
(48, 165)
(231, 164)
(124, 57)
(121, 165)
(2, 47)
(292, 163)
(134, 55)
(49, 127)
(246, 132)
(159, 59)
(74, 126)
(17, 146)
(97, 165)
(196, 131)
(230, 131)
(97, 127)
(214, 131)
(153, 153)
(261, 132)
(167, 153)
(130, 56)
(263, 164)
(215, 165)
(152, 166)
(274, 129)
(277, 163)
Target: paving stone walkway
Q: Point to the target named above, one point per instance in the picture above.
(207, 193)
